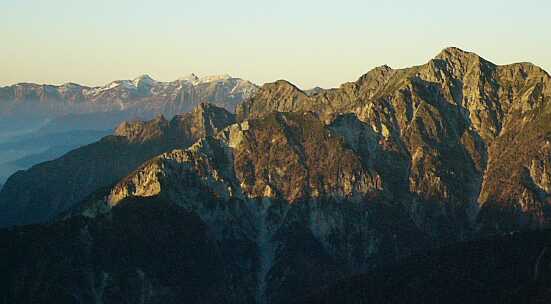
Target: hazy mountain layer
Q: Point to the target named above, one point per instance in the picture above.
(142, 95)
(28, 150)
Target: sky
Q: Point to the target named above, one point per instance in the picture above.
(310, 43)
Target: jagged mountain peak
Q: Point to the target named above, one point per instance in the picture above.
(529, 69)
(456, 53)
(204, 116)
(144, 79)
(382, 69)
(141, 131)
(283, 83)
(197, 80)
(214, 78)
(377, 73)
(460, 61)
(189, 78)
(281, 96)
(210, 117)
(282, 86)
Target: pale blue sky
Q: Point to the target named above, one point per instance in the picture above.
(307, 42)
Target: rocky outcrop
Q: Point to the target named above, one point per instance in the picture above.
(47, 189)
(296, 157)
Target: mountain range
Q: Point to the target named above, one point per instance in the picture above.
(140, 96)
(295, 191)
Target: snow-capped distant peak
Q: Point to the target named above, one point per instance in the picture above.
(147, 82)
(70, 85)
(126, 84)
(114, 84)
(143, 79)
(189, 78)
(213, 78)
(195, 80)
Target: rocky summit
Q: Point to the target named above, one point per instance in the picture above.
(466, 131)
(297, 191)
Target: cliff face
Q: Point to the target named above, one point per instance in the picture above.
(46, 190)
(306, 195)
(283, 156)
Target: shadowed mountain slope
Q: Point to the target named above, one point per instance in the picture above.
(508, 269)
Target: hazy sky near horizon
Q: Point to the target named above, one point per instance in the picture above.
(307, 42)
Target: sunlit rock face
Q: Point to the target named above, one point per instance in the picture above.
(289, 184)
